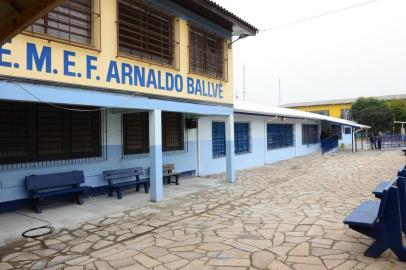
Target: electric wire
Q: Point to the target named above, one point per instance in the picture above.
(49, 228)
(71, 109)
(332, 12)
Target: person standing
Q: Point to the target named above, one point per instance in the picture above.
(372, 140)
(380, 137)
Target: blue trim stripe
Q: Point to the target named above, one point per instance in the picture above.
(78, 96)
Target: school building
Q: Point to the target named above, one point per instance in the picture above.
(339, 108)
(103, 85)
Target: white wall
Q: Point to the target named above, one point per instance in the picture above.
(346, 138)
(259, 154)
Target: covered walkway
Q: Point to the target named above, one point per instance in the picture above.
(287, 215)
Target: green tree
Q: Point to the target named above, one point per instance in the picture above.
(372, 112)
(397, 109)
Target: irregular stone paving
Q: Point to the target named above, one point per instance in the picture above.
(282, 216)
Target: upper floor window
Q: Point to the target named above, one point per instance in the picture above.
(206, 53)
(346, 114)
(322, 112)
(145, 32)
(242, 140)
(279, 136)
(71, 21)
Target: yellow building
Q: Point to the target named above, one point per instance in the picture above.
(339, 108)
(96, 85)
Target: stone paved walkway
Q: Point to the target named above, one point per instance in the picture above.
(282, 216)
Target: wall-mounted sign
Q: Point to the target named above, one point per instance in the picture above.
(32, 58)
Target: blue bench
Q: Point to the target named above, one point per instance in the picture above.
(399, 182)
(53, 185)
(402, 171)
(380, 220)
(378, 190)
(125, 178)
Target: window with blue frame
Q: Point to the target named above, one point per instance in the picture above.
(279, 136)
(242, 140)
(218, 130)
(310, 134)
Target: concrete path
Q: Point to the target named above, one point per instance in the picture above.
(282, 216)
(67, 214)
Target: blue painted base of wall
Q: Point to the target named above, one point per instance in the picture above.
(10, 206)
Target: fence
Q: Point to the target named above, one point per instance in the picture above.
(393, 141)
(329, 144)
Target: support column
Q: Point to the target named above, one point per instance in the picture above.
(230, 148)
(155, 156)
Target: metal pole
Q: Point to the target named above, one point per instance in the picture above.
(280, 98)
(243, 84)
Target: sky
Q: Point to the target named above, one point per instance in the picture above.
(357, 52)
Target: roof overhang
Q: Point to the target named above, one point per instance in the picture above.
(218, 15)
(16, 15)
(250, 108)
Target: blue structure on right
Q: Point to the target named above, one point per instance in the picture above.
(329, 144)
(384, 221)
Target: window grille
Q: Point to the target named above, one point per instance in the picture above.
(346, 114)
(206, 53)
(337, 130)
(38, 133)
(136, 133)
(218, 139)
(279, 136)
(310, 134)
(70, 21)
(172, 132)
(145, 32)
(242, 140)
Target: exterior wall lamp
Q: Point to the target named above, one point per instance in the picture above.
(240, 37)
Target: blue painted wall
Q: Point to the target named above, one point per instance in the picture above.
(258, 155)
(13, 185)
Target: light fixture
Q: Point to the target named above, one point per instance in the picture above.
(240, 37)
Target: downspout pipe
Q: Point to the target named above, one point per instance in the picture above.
(353, 139)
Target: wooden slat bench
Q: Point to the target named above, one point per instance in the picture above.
(53, 185)
(168, 173)
(380, 220)
(125, 178)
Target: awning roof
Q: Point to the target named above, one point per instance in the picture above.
(16, 15)
(219, 15)
(257, 109)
